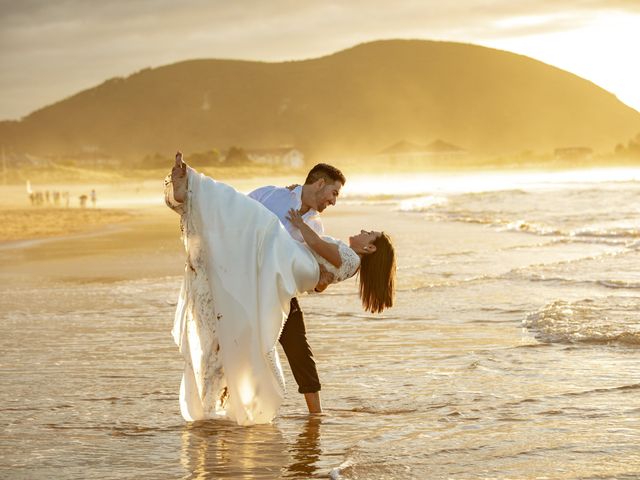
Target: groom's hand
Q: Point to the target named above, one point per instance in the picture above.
(326, 278)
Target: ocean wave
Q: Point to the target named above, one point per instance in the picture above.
(611, 269)
(448, 283)
(614, 242)
(628, 236)
(463, 217)
(632, 386)
(618, 284)
(583, 271)
(360, 466)
(489, 218)
(615, 284)
(376, 197)
(620, 232)
(421, 204)
(531, 227)
(416, 200)
(610, 320)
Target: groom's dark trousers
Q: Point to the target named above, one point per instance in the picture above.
(295, 345)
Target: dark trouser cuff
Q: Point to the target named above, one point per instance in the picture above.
(309, 388)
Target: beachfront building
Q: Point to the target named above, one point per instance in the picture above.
(573, 153)
(408, 153)
(277, 157)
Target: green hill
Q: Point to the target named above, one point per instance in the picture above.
(354, 102)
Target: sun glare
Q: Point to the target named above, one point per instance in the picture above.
(592, 51)
(524, 21)
(447, 183)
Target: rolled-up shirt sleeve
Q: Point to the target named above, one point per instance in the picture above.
(260, 193)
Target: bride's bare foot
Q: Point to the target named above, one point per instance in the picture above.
(179, 179)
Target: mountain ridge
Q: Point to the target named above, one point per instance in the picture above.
(354, 102)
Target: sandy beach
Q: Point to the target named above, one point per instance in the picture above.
(33, 223)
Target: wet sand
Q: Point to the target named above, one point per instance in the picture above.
(146, 244)
(32, 223)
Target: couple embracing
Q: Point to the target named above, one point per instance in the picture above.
(248, 258)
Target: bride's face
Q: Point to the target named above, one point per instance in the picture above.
(363, 242)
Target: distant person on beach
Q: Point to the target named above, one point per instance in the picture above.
(93, 198)
(246, 262)
(83, 200)
(30, 194)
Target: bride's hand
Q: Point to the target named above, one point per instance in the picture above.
(295, 218)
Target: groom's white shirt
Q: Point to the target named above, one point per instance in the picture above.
(280, 200)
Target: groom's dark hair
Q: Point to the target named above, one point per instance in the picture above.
(328, 172)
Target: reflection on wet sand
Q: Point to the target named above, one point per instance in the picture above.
(218, 449)
(215, 449)
(306, 450)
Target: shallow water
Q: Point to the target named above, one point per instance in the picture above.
(512, 352)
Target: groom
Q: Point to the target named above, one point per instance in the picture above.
(321, 189)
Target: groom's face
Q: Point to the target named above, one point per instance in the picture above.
(327, 193)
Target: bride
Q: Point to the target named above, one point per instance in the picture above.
(241, 272)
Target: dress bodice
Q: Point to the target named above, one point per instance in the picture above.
(350, 260)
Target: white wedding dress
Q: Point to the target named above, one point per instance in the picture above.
(242, 270)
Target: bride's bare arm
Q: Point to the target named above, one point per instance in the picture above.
(327, 250)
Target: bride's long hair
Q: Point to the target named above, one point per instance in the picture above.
(378, 276)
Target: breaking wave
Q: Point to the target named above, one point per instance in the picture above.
(609, 320)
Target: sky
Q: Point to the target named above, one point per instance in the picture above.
(51, 49)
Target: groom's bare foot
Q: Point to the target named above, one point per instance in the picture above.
(313, 402)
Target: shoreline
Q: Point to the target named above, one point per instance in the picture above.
(96, 231)
(147, 245)
(135, 244)
(78, 176)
